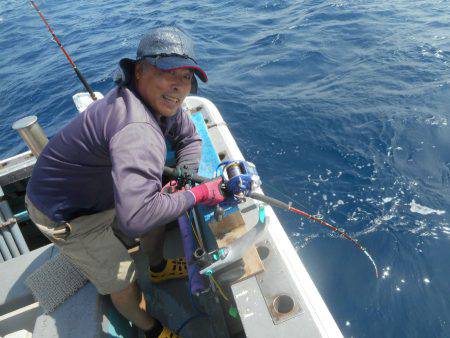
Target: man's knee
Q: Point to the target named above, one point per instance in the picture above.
(125, 295)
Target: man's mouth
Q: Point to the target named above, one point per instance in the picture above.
(172, 99)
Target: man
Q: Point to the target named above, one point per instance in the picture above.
(104, 170)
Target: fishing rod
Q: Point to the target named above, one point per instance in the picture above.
(240, 179)
(55, 38)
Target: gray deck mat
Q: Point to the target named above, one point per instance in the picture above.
(45, 283)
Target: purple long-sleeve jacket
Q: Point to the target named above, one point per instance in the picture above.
(113, 155)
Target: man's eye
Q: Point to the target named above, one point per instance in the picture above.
(188, 77)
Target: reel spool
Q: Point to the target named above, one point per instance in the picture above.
(240, 178)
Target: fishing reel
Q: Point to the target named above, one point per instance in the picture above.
(240, 178)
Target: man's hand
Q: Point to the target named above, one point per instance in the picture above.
(185, 171)
(171, 187)
(208, 193)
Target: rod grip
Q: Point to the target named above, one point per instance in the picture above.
(85, 83)
(269, 200)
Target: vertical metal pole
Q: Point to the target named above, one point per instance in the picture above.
(32, 134)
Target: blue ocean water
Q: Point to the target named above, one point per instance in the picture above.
(342, 105)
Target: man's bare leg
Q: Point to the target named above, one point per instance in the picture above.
(130, 303)
(161, 269)
(153, 246)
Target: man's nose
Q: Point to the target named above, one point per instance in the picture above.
(178, 83)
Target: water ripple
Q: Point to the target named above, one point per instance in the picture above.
(342, 105)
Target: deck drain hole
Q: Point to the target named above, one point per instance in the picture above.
(263, 251)
(283, 304)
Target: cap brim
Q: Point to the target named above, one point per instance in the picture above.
(177, 62)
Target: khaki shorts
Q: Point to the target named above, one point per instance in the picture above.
(90, 244)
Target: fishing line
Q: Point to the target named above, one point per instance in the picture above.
(282, 205)
(272, 187)
(74, 67)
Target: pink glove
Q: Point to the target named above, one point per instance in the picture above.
(208, 193)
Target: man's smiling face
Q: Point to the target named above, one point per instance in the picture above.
(162, 90)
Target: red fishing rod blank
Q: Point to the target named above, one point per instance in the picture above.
(55, 38)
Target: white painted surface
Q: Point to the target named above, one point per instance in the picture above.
(83, 100)
(20, 322)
